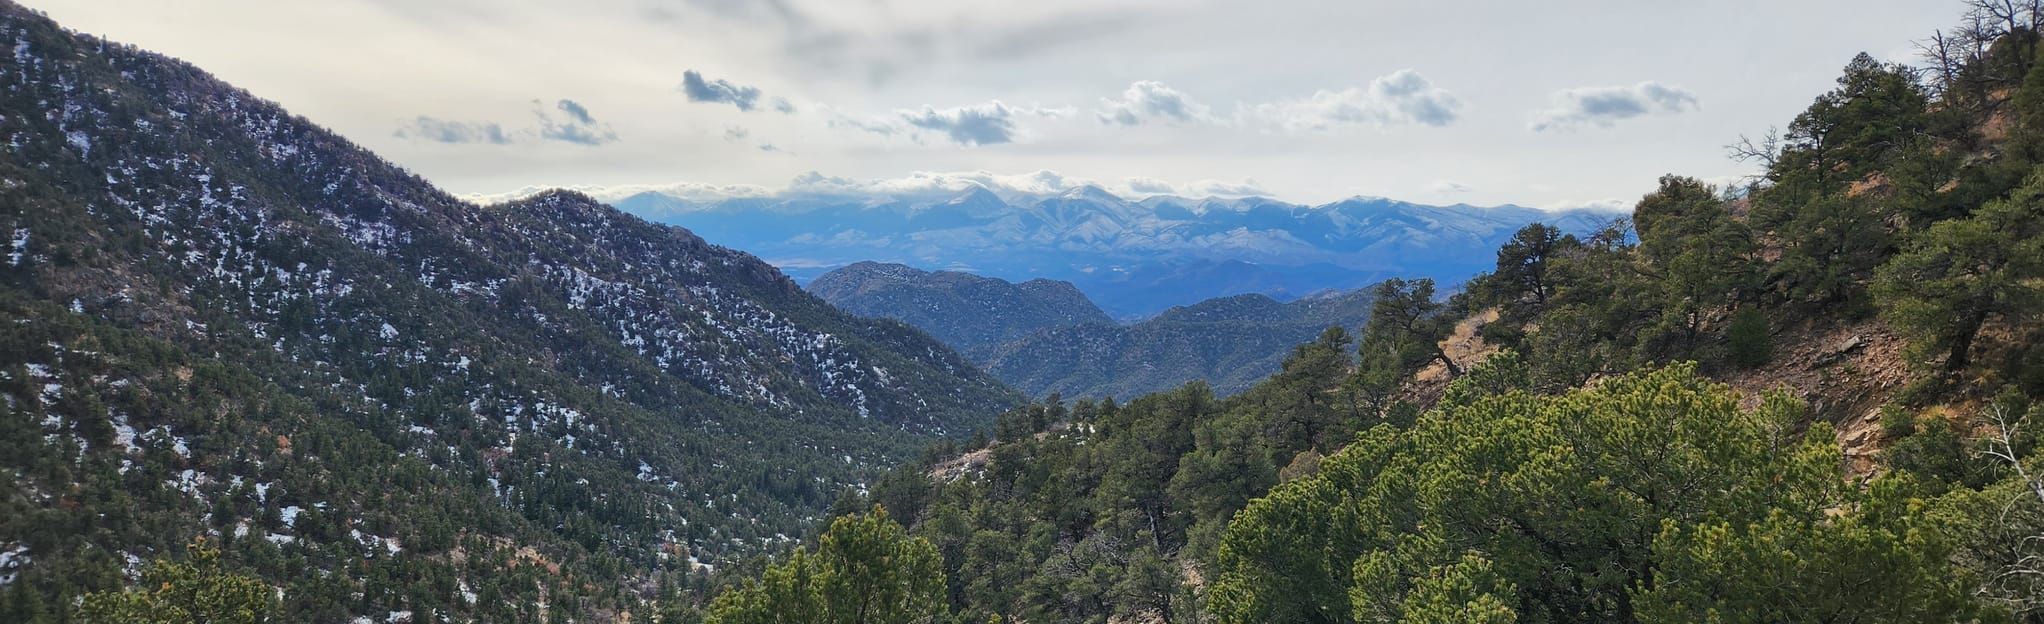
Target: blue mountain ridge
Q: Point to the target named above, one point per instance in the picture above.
(1132, 257)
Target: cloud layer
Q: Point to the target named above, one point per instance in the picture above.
(1603, 106)
(924, 185)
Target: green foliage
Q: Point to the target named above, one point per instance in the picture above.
(1885, 561)
(1404, 335)
(1832, 235)
(1959, 274)
(194, 591)
(1747, 339)
(1701, 258)
(865, 570)
(1572, 500)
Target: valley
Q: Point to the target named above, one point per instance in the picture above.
(252, 371)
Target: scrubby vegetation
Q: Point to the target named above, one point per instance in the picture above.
(1587, 466)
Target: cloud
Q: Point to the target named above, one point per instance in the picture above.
(1603, 106)
(580, 128)
(783, 106)
(770, 148)
(720, 91)
(1248, 187)
(1595, 205)
(576, 112)
(1151, 100)
(446, 131)
(934, 185)
(1403, 97)
(1450, 187)
(1149, 186)
(992, 123)
(920, 185)
(736, 133)
(881, 127)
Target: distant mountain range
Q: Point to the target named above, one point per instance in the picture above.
(1043, 336)
(1132, 257)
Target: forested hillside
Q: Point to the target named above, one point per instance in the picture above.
(225, 322)
(1585, 464)
(973, 314)
(1230, 343)
(1045, 338)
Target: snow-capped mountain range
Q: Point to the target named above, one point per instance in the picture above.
(1132, 256)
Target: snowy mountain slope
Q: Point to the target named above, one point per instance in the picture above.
(222, 320)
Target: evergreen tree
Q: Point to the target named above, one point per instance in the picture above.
(194, 591)
(866, 569)
(1958, 275)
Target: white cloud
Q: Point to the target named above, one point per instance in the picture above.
(580, 127)
(932, 183)
(1148, 186)
(920, 185)
(1149, 100)
(1403, 97)
(992, 123)
(685, 190)
(1248, 187)
(1603, 106)
(1608, 204)
(449, 131)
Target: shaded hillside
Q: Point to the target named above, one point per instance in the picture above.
(226, 321)
(1230, 343)
(973, 314)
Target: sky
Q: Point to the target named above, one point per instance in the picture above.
(1563, 103)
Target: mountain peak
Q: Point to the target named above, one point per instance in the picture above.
(1092, 193)
(977, 195)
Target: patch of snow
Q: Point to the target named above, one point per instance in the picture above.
(388, 332)
(20, 249)
(290, 515)
(80, 140)
(11, 561)
(124, 434)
